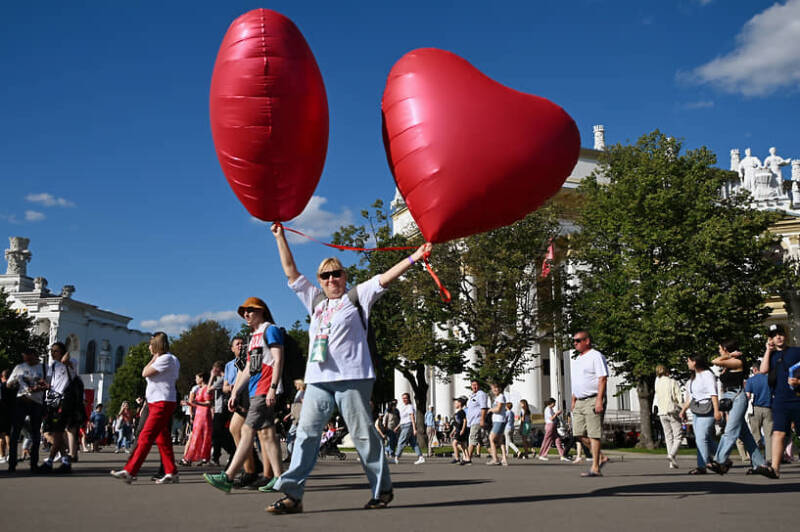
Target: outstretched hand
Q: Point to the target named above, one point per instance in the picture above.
(277, 229)
(422, 251)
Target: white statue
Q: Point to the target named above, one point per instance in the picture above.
(747, 170)
(774, 163)
(18, 256)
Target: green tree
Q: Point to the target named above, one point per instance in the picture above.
(128, 382)
(198, 348)
(15, 334)
(666, 266)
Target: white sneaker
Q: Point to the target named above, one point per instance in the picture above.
(565, 459)
(396, 460)
(543, 458)
(169, 479)
(123, 475)
(673, 464)
(420, 460)
(3, 460)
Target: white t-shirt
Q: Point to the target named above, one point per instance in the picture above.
(161, 386)
(59, 376)
(26, 376)
(499, 417)
(477, 401)
(703, 386)
(348, 353)
(586, 371)
(406, 411)
(549, 412)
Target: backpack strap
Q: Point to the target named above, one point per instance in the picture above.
(318, 298)
(352, 295)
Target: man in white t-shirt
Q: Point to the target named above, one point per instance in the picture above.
(59, 376)
(477, 406)
(589, 376)
(408, 430)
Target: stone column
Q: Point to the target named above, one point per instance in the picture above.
(18, 256)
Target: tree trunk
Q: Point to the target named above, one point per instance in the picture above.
(644, 389)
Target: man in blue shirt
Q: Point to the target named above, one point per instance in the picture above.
(430, 429)
(249, 477)
(778, 358)
(757, 389)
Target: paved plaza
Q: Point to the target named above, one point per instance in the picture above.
(638, 492)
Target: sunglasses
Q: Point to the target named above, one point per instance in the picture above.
(250, 309)
(335, 274)
(578, 340)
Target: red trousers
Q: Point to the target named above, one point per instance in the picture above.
(156, 430)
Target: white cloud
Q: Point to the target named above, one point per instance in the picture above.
(766, 57)
(316, 221)
(48, 200)
(174, 324)
(34, 216)
(701, 104)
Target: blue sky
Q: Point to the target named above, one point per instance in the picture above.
(107, 161)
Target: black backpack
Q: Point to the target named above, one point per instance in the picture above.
(352, 295)
(294, 363)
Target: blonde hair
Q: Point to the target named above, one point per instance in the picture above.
(327, 262)
(661, 370)
(160, 343)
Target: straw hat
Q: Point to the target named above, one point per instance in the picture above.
(252, 302)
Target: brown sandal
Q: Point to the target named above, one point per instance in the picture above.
(287, 505)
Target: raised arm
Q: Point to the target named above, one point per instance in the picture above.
(287, 260)
(400, 268)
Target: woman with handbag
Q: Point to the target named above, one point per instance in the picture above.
(668, 399)
(734, 402)
(704, 404)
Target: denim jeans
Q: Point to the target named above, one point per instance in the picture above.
(704, 437)
(352, 399)
(391, 441)
(407, 437)
(735, 427)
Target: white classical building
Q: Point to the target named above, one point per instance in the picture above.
(550, 376)
(97, 339)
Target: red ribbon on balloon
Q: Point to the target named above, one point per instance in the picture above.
(443, 292)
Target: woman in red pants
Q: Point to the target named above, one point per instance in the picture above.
(161, 373)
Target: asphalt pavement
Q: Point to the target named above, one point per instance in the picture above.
(637, 492)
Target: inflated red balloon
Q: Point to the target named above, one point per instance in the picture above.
(469, 154)
(269, 115)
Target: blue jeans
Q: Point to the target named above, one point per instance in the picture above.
(391, 441)
(735, 427)
(290, 437)
(407, 437)
(704, 437)
(352, 399)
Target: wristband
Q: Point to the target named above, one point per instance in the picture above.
(410, 260)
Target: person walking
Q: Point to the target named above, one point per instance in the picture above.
(161, 373)
(27, 380)
(220, 415)
(460, 431)
(589, 376)
(525, 426)
(430, 429)
(668, 399)
(407, 430)
(339, 374)
(758, 391)
(508, 431)
(498, 411)
(704, 402)
(124, 427)
(732, 380)
(550, 434)
(199, 447)
(390, 422)
(777, 360)
(477, 406)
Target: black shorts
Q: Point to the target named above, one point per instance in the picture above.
(55, 419)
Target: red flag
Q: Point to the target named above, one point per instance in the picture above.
(548, 258)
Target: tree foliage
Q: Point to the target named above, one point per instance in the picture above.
(15, 334)
(128, 383)
(666, 267)
(198, 348)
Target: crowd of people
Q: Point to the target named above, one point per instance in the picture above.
(244, 408)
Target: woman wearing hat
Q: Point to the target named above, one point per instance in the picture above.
(339, 374)
(262, 378)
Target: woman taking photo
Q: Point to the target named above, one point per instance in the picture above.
(668, 399)
(199, 447)
(160, 373)
(732, 380)
(339, 374)
(704, 403)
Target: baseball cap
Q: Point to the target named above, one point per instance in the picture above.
(774, 329)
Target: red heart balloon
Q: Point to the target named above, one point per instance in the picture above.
(469, 154)
(269, 115)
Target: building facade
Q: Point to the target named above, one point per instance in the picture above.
(96, 339)
(550, 376)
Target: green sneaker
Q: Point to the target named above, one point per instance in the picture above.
(219, 481)
(270, 487)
